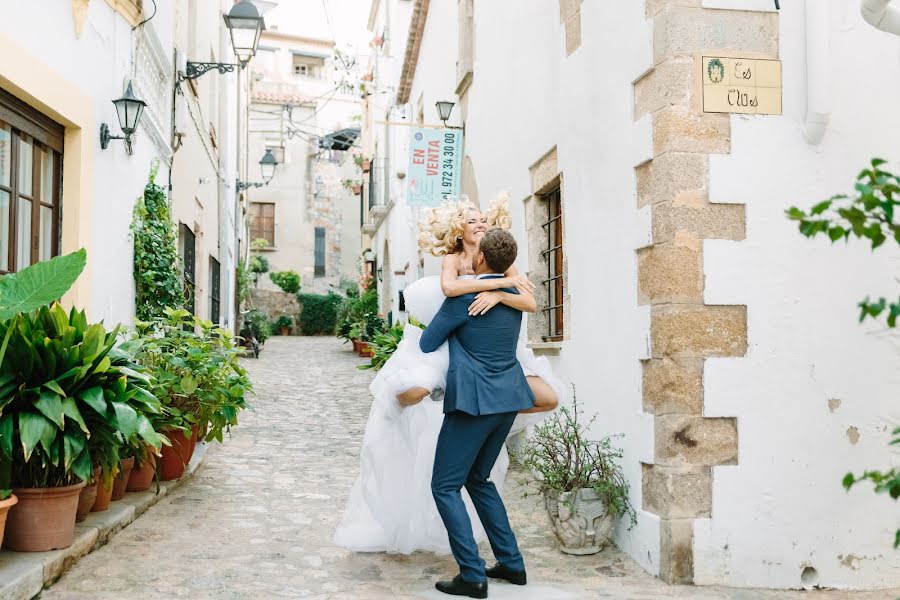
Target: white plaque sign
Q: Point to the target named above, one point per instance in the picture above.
(741, 85)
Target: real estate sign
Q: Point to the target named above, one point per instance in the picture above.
(435, 162)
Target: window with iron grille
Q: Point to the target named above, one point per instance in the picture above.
(555, 281)
(262, 222)
(189, 257)
(215, 289)
(320, 252)
(30, 176)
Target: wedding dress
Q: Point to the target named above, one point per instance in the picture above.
(390, 507)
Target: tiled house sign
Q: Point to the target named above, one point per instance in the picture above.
(741, 85)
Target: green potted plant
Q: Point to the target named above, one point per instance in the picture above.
(284, 323)
(198, 380)
(584, 490)
(288, 281)
(256, 324)
(66, 391)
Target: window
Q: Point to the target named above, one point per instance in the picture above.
(320, 252)
(555, 281)
(188, 243)
(30, 174)
(262, 222)
(308, 66)
(301, 69)
(215, 289)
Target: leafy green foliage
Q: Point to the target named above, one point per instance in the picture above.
(870, 214)
(198, 377)
(288, 281)
(256, 324)
(5, 494)
(158, 270)
(39, 284)
(318, 313)
(69, 399)
(358, 317)
(284, 322)
(259, 264)
(567, 460)
(244, 282)
(385, 344)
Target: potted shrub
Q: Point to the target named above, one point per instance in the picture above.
(288, 281)
(7, 501)
(68, 391)
(584, 490)
(255, 324)
(283, 324)
(198, 380)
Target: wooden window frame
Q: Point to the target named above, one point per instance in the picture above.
(320, 268)
(553, 254)
(215, 290)
(256, 230)
(45, 136)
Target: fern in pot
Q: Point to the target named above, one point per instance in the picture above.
(584, 490)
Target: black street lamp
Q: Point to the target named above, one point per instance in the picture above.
(245, 26)
(267, 165)
(444, 108)
(129, 109)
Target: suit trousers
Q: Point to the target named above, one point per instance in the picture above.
(467, 449)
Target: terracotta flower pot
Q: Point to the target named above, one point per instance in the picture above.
(357, 189)
(285, 331)
(5, 505)
(365, 350)
(87, 497)
(175, 457)
(142, 477)
(43, 519)
(356, 344)
(195, 434)
(104, 494)
(121, 480)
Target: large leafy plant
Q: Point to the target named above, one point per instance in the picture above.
(158, 270)
(870, 214)
(68, 398)
(197, 375)
(288, 281)
(566, 459)
(385, 344)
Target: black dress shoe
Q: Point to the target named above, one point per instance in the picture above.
(498, 571)
(460, 587)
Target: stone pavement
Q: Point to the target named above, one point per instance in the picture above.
(256, 521)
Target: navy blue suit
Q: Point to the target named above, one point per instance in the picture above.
(486, 388)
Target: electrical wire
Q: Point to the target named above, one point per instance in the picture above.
(141, 24)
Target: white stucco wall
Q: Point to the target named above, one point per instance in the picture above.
(782, 507)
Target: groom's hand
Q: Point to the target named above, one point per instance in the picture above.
(484, 302)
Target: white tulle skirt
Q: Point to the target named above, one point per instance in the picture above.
(390, 507)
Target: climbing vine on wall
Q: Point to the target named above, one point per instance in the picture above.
(158, 271)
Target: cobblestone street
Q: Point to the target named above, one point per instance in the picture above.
(257, 520)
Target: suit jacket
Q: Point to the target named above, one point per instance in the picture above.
(484, 377)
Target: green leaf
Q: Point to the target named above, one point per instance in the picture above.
(93, 397)
(127, 419)
(51, 407)
(188, 385)
(53, 385)
(40, 284)
(836, 233)
(70, 409)
(31, 431)
(73, 445)
(6, 436)
(848, 481)
(82, 466)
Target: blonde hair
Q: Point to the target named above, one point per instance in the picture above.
(441, 230)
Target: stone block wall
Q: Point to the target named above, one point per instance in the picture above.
(276, 303)
(684, 330)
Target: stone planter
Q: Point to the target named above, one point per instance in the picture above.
(580, 520)
(43, 519)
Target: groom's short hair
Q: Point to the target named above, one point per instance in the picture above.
(499, 248)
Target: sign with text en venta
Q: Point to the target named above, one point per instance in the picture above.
(741, 85)
(435, 162)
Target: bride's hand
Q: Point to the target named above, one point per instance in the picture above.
(521, 283)
(484, 302)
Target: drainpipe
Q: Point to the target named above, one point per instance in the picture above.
(880, 15)
(818, 109)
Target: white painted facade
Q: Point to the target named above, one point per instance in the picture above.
(73, 79)
(781, 509)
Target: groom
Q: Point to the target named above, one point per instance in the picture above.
(486, 387)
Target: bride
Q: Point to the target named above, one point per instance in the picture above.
(390, 507)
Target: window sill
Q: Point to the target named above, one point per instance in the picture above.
(266, 249)
(546, 347)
